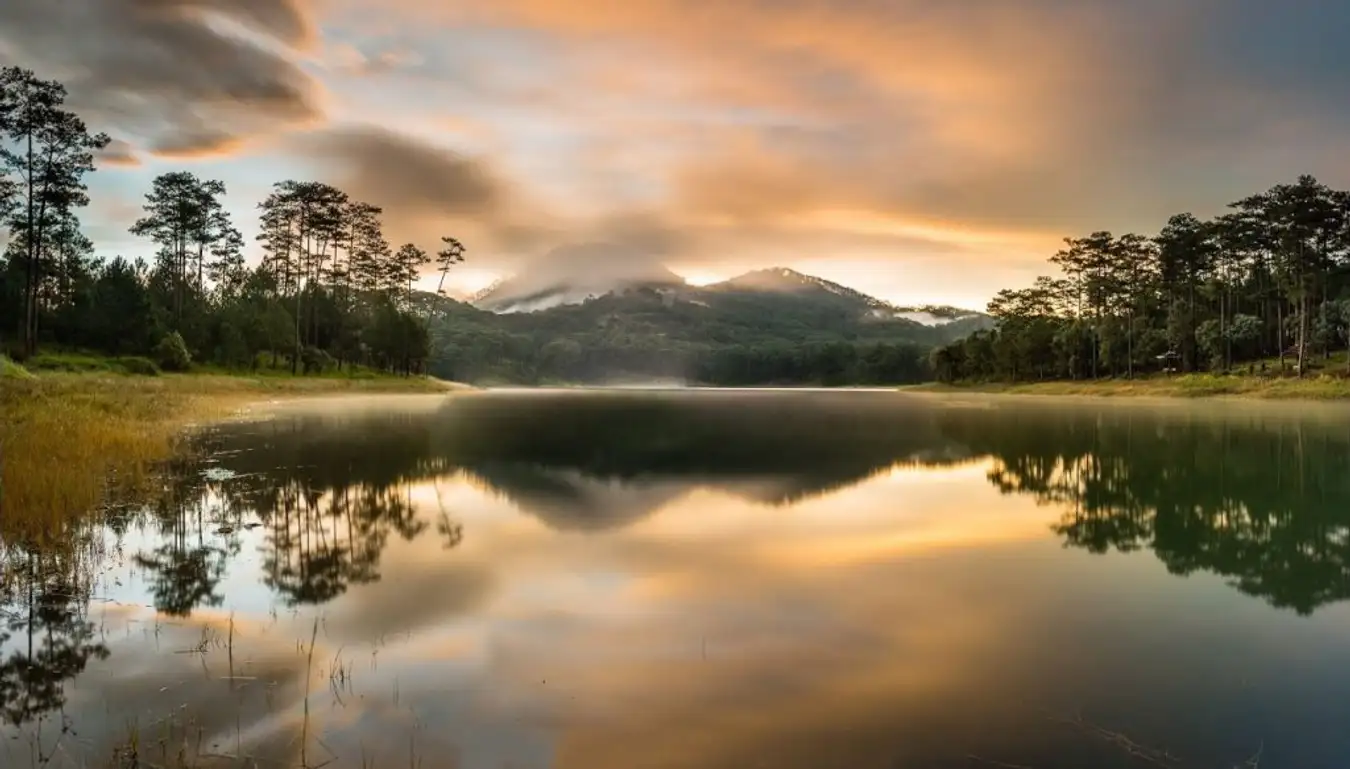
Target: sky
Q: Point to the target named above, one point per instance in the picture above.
(918, 150)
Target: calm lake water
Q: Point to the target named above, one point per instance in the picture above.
(703, 579)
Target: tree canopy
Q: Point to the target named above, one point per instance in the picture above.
(329, 292)
(1269, 279)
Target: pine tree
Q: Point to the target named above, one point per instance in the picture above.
(182, 212)
(447, 257)
(368, 250)
(407, 263)
(47, 152)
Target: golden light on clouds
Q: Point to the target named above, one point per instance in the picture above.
(874, 223)
(764, 133)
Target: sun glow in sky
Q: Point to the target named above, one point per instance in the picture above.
(916, 150)
(698, 278)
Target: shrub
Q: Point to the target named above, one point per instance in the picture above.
(316, 361)
(172, 353)
(74, 363)
(138, 366)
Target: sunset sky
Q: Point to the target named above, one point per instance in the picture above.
(920, 150)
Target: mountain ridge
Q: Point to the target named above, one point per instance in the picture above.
(766, 326)
(508, 295)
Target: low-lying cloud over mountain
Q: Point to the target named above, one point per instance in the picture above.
(573, 274)
(578, 274)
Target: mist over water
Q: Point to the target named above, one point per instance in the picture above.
(655, 576)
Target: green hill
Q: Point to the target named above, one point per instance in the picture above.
(766, 327)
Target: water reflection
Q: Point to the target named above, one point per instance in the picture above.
(615, 580)
(46, 639)
(591, 462)
(1259, 496)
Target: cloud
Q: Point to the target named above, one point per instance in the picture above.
(426, 190)
(185, 77)
(119, 153)
(199, 142)
(400, 171)
(351, 60)
(1029, 116)
(935, 136)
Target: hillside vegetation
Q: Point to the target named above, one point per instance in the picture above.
(768, 327)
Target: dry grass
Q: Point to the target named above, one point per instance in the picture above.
(1322, 387)
(70, 441)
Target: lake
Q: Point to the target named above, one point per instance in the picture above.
(609, 579)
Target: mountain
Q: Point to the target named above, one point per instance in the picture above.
(539, 293)
(644, 324)
(785, 281)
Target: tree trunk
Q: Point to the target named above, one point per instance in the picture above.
(30, 280)
(1279, 331)
(1326, 338)
(1302, 332)
(299, 274)
(1129, 346)
(1227, 338)
(1223, 332)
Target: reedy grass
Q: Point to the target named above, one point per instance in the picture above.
(69, 442)
(1319, 387)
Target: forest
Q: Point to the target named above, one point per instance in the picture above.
(330, 291)
(699, 336)
(1262, 288)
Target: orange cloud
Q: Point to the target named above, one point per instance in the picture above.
(767, 132)
(1032, 116)
(906, 111)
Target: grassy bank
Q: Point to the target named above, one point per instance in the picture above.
(69, 441)
(1321, 387)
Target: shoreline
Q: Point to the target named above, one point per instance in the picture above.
(1321, 388)
(71, 442)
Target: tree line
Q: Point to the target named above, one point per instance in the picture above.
(1269, 280)
(330, 291)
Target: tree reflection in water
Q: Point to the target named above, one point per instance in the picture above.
(1257, 497)
(1261, 501)
(46, 639)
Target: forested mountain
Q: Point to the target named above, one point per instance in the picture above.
(769, 326)
(1268, 280)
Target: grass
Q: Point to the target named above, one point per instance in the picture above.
(69, 441)
(1311, 387)
(11, 370)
